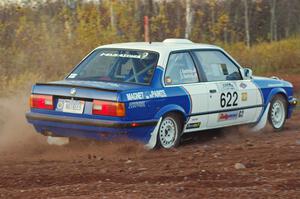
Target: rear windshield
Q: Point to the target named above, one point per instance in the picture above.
(117, 65)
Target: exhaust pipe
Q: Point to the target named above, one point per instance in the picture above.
(58, 141)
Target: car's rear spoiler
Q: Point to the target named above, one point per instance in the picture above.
(82, 91)
(77, 86)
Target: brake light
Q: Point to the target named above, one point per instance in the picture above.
(108, 108)
(41, 102)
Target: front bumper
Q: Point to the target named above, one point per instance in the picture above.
(293, 101)
(67, 126)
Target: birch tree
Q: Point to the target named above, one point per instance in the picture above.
(273, 22)
(189, 18)
(113, 22)
(247, 31)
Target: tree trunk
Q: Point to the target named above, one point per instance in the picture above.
(247, 31)
(189, 18)
(113, 23)
(178, 21)
(273, 23)
(213, 19)
(149, 8)
(288, 19)
(69, 19)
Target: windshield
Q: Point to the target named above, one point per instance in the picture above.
(117, 65)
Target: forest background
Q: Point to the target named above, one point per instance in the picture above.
(43, 40)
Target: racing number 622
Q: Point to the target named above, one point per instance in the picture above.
(228, 99)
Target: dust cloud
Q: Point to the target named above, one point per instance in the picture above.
(15, 133)
(19, 141)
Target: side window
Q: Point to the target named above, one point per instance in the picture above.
(217, 67)
(180, 69)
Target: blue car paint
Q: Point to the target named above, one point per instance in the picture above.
(270, 87)
(92, 132)
(177, 99)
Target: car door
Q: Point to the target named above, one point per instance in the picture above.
(232, 100)
(181, 72)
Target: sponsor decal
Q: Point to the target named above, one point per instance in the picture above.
(244, 96)
(144, 55)
(141, 56)
(146, 95)
(135, 96)
(227, 86)
(60, 105)
(232, 115)
(243, 85)
(193, 125)
(196, 119)
(139, 104)
(188, 73)
(155, 94)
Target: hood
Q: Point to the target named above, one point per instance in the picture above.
(272, 81)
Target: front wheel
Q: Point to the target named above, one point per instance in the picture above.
(277, 112)
(170, 130)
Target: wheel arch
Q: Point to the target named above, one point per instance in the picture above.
(276, 91)
(171, 108)
(261, 122)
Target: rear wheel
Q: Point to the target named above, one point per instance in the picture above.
(277, 112)
(170, 131)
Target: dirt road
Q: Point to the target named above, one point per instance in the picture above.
(205, 167)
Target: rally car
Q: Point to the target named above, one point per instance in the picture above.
(156, 92)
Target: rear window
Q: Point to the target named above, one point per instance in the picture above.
(117, 65)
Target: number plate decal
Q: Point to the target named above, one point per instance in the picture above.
(229, 99)
(73, 106)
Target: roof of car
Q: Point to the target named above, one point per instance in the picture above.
(166, 46)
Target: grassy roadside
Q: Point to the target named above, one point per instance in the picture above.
(282, 57)
(266, 58)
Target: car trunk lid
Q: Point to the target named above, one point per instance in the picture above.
(83, 89)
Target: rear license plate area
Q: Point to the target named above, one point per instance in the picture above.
(70, 106)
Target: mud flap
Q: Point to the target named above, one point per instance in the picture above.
(263, 120)
(153, 139)
(59, 141)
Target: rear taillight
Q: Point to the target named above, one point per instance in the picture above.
(108, 108)
(41, 102)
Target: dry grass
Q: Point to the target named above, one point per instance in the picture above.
(24, 68)
(281, 56)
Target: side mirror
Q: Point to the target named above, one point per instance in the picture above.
(248, 73)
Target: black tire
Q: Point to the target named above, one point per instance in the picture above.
(277, 112)
(170, 131)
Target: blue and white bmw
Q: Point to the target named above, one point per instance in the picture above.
(156, 92)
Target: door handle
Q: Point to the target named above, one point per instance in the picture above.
(213, 91)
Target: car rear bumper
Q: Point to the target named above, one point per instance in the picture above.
(66, 126)
(88, 122)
